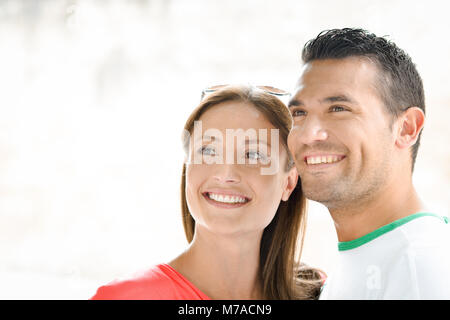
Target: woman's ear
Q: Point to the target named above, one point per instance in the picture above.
(291, 182)
(410, 123)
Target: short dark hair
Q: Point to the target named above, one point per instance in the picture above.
(399, 84)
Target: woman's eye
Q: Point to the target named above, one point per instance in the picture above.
(208, 151)
(255, 155)
(337, 109)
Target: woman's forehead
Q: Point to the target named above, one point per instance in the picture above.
(234, 114)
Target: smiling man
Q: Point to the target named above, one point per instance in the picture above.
(358, 111)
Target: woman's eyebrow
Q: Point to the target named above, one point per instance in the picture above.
(247, 141)
(208, 138)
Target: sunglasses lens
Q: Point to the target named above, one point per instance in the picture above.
(273, 90)
(268, 89)
(215, 88)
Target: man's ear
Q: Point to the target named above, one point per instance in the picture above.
(410, 123)
(292, 180)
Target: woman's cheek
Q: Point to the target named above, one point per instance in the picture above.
(192, 189)
(270, 191)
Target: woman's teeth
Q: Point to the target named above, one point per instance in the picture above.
(226, 198)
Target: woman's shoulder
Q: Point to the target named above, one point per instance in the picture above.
(156, 283)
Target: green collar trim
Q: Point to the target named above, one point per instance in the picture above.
(348, 245)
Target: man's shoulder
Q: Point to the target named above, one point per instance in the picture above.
(426, 240)
(430, 232)
(428, 257)
(430, 271)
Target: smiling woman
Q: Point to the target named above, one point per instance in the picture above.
(245, 225)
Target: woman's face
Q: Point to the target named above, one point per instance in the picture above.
(225, 190)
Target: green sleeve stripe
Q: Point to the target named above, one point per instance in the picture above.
(342, 246)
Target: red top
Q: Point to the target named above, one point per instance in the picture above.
(162, 282)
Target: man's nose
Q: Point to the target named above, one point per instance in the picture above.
(312, 130)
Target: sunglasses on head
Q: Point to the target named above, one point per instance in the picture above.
(268, 89)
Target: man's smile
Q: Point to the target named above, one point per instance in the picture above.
(322, 159)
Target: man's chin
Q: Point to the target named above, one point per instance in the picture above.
(321, 198)
(326, 195)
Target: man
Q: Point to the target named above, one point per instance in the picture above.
(358, 112)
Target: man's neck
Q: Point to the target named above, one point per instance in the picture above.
(390, 204)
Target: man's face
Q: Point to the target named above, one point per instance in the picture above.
(341, 138)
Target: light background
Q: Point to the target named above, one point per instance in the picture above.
(94, 95)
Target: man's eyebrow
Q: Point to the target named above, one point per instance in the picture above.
(330, 99)
(295, 103)
(338, 98)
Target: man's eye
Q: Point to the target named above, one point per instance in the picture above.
(337, 109)
(298, 113)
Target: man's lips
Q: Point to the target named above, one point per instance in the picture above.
(320, 159)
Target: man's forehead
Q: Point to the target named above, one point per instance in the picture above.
(346, 66)
(335, 78)
(299, 83)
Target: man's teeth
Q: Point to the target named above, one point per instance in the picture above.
(226, 199)
(322, 159)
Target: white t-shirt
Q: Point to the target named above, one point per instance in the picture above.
(406, 259)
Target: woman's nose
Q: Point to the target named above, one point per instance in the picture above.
(227, 173)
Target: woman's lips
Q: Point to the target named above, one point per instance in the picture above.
(226, 199)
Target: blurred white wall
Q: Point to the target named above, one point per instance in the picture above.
(94, 95)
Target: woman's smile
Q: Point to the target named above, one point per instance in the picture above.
(226, 198)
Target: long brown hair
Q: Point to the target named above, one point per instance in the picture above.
(281, 275)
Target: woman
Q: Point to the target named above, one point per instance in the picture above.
(243, 209)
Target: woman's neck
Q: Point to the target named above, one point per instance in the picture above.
(222, 267)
